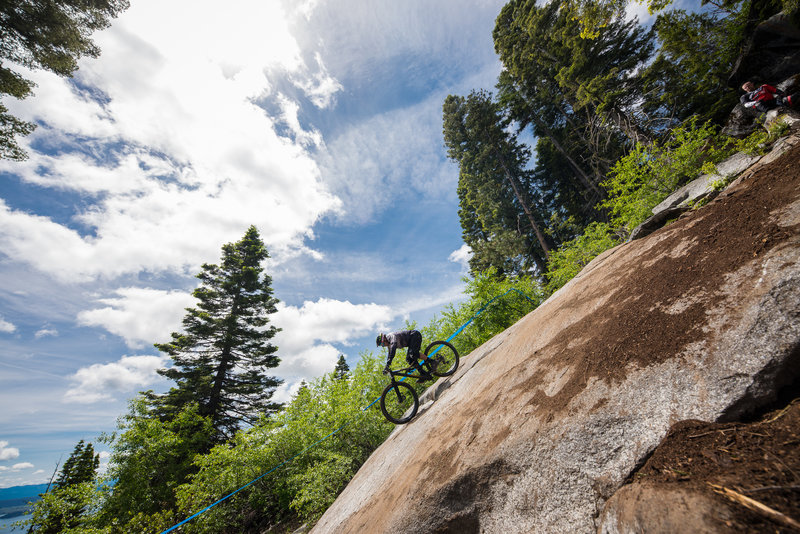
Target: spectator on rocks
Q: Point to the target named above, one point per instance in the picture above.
(765, 97)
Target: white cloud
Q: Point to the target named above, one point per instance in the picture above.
(327, 320)
(8, 453)
(101, 382)
(321, 89)
(305, 345)
(141, 316)
(173, 149)
(23, 465)
(462, 256)
(44, 332)
(6, 327)
(430, 301)
(388, 156)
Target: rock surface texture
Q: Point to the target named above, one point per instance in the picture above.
(543, 424)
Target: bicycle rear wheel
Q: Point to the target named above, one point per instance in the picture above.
(399, 402)
(445, 355)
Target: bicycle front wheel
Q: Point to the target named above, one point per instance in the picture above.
(445, 355)
(399, 402)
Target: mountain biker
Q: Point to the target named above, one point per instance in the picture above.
(411, 339)
(765, 97)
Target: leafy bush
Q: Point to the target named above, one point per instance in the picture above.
(650, 173)
(572, 256)
(515, 298)
(309, 465)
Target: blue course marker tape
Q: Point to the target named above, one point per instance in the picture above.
(452, 336)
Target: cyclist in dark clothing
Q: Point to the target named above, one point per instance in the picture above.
(410, 339)
(765, 97)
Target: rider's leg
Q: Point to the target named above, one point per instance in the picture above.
(413, 355)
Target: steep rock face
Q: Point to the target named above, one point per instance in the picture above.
(545, 422)
(772, 52)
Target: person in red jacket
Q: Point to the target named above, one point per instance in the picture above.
(765, 97)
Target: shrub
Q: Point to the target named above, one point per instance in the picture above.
(572, 256)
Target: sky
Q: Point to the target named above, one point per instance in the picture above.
(317, 121)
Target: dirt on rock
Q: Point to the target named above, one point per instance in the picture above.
(637, 325)
(558, 410)
(757, 460)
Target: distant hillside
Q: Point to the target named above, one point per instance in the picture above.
(14, 501)
(20, 492)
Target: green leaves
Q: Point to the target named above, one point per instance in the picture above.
(497, 203)
(566, 262)
(150, 459)
(649, 173)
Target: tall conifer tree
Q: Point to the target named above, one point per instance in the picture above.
(342, 370)
(81, 466)
(221, 359)
(498, 206)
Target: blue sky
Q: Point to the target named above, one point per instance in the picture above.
(318, 121)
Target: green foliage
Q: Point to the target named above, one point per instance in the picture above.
(498, 207)
(150, 458)
(81, 466)
(50, 35)
(219, 362)
(521, 295)
(689, 75)
(571, 257)
(311, 470)
(646, 176)
(342, 369)
(759, 141)
(62, 511)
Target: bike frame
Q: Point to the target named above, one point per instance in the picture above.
(406, 372)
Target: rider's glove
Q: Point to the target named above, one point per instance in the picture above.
(386, 370)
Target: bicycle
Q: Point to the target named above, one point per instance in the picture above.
(399, 400)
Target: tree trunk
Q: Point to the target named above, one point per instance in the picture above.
(539, 235)
(628, 126)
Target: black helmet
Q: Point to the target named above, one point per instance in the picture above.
(379, 340)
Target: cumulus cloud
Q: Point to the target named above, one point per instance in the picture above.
(8, 453)
(175, 157)
(141, 316)
(461, 256)
(22, 465)
(374, 163)
(306, 343)
(101, 382)
(6, 327)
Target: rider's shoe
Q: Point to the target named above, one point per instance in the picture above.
(424, 377)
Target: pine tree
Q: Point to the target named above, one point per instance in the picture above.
(689, 75)
(62, 508)
(499, 211)
(542, 50)
(221, 358)
(342, 370)
(44, 34)
(81, 466)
